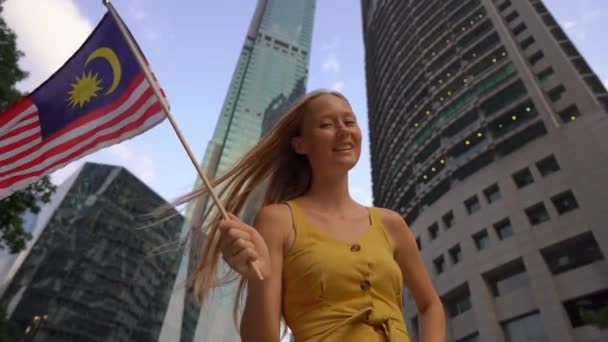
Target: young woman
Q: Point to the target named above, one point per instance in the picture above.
(333, 268)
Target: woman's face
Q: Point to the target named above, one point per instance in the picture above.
(330, 136)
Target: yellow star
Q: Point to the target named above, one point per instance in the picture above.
(84, 89)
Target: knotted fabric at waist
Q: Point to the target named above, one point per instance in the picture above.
(381, 323)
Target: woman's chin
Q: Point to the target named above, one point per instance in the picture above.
(344, 164)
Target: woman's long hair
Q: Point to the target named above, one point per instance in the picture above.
(271, 165)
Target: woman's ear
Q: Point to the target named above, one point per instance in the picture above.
(296, 144)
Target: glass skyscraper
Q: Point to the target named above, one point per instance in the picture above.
(271, 73)
(488, 135)
(92, 273)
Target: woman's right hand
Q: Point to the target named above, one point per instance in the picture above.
(242, 247)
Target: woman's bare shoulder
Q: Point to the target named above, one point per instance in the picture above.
(275, 216)
(391, 218)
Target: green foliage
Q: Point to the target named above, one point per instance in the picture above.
(10, 73)
(12, 208)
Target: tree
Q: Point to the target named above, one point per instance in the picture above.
(12, 208)
(10, 73)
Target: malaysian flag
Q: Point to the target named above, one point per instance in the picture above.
(98, 98)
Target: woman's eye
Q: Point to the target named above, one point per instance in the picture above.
(350, 122)
(325, 125)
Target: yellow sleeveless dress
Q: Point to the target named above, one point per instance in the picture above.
(339, 291)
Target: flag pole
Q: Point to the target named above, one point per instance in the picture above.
(148, 74)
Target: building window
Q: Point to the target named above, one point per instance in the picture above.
(503, 229)
(472, 204)
(506, 278)
(545, 74)
(564, 202)
(455, 254)
(575, 252)
(523, 178)
(504, 5)
(524, 328)
(527, 42)
(547, 166)
(581, 309)
(582, 66)
(537, 214)
(448, 219)
(555, 94)
(458, 301)
(536, 57)
(492, 193)
(549, 20)
(433, 231)
(519, 29)
(569, 114)
(470, 338)
(482, 240)
(504, 98)
(512, 16)
(439, 263)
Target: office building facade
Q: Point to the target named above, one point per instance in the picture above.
(93, 273)
(488, 135)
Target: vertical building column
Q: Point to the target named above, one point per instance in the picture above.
(556, 324)
(483, 302)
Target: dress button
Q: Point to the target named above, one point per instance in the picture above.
(365, 285)
(355, 248)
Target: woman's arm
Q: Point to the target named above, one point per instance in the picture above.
(416, 277)
(262, 315)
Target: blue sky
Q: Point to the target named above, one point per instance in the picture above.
(193, 48)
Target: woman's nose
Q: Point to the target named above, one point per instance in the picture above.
(342, 130)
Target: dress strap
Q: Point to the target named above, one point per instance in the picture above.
(296, 216)
(375, 217)
(374, 213)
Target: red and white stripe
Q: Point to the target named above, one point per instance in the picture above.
(25, 157)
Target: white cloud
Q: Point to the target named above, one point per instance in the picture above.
(64, 173)
(142, 166)
(568, 25)
(48, 32)
(338, 86)
(575, 29)
(580, 27)
(331, 64)
(121, 151)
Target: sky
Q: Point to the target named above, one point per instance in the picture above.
(193, 47)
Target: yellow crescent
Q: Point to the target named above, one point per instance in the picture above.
(109, 55)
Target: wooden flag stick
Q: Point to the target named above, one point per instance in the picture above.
(148, 74)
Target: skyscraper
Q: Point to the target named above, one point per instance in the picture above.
(91, 274)
(488, 135)
(271, 73)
